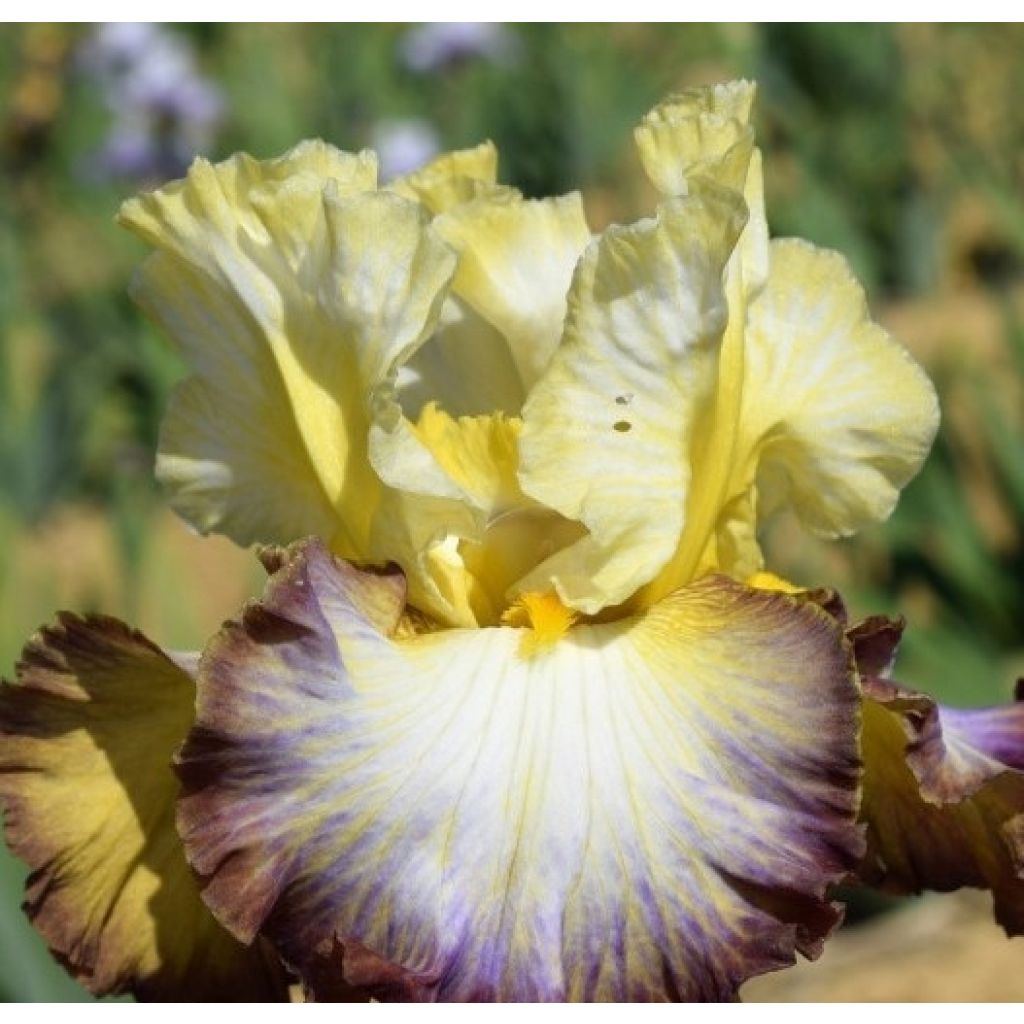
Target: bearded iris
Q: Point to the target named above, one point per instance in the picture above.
(526, 717)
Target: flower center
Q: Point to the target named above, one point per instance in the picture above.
(544, 614)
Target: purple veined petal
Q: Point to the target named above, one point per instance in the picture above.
(650, 809)
(997, 733)
(943, 787)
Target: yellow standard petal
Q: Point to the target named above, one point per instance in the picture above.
(296, 294)
(515, 264)
(707, 133)
(456, 177)
(466, 365)
(837, 414)
(824, 413)
(608, 431)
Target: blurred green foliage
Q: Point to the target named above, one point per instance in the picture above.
(902, 146)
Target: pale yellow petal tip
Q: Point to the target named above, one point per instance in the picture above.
(232, 183)
(728, 100)
(769, 581)
(544, 615)
(454, 178)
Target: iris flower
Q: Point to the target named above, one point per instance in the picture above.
(521, 714)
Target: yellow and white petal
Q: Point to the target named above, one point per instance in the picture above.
(86, 738)
(516, 261)
(836, 416)
(480, 455)
(296, 295)
(456, 177)
(703, 131)
(706, 133)
(816, 408)
(220, 449)
(219, 214)
(294, 348)
(646, 810)
(608, 431)
(465, 366)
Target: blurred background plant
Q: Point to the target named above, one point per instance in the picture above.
(902, 146)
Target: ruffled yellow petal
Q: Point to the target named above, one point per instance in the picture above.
(706, 133)
(232, 201)
(456, 177)
(515, 264)
(836, 415)
(703, 131)
(608, 431)
(296, 295)
(86, 740)
(480, 454)
(817, 409)
(465, 366)
(502, 323)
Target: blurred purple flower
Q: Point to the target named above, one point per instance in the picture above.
(111, 49)
(438, 45)
(404, 145)
(127, 152)
(164, 111)
(167, 84)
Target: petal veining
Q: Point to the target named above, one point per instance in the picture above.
(650, 809)
(817, 408)
(86, 739)
(839, 415)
